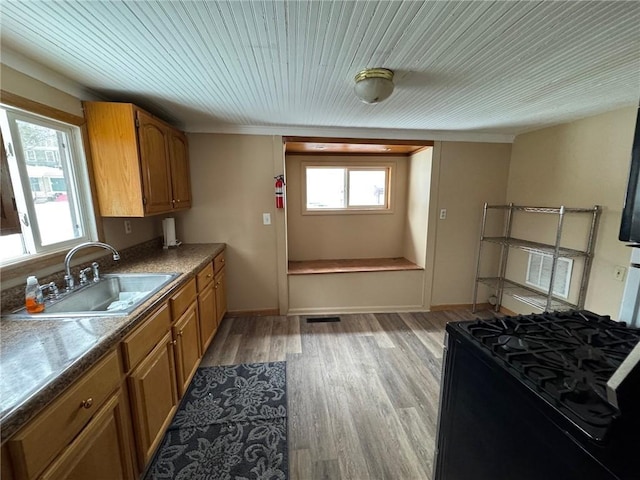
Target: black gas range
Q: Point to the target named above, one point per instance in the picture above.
(526, 397)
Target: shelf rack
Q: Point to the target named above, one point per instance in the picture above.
(545, 301)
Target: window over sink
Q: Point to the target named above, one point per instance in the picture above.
(46, 196)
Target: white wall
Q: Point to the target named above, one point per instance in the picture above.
(232, 186)
(418, 194)
(580, 164)
(339, 236)
(470, 175)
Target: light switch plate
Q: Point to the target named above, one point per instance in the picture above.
(127, 226)
(266, 219)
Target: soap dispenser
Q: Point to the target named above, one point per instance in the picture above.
(34, 300)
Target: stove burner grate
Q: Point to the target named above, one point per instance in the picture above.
(567, 357)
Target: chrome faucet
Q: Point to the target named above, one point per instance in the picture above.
(68, 278)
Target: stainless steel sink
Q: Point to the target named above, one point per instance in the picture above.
(113, 295)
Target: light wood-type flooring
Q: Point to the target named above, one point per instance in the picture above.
(362, 393)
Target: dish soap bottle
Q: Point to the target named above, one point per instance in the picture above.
(34, 300)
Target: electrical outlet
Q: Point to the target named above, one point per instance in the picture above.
(443, 213)
(619, 272)
(266, 219)
(127, 226)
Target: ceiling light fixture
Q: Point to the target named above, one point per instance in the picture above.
(374, 85)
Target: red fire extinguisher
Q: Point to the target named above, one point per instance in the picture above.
(279, 191)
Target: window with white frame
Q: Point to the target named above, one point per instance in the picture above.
(539, 273)
(53, 199)
(352, 187)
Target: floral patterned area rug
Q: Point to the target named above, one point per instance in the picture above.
(231, 425)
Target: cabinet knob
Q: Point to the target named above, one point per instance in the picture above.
(180, 333)
(173, 342)
(209, 276)
(87, 403)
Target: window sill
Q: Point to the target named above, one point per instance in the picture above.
(27, 266)
(350, 211)
(307, 267)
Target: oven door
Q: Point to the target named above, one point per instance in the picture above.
(492, 427)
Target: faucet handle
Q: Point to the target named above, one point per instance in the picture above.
(83, 275)
(96, 271)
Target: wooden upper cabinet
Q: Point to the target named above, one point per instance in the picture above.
(153, 136)
(179, 162)
(133, 155)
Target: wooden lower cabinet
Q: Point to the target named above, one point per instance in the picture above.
(207, 315)
(42, 442)
(220, 286)
(106, 427)
(101, 451)
(154, 398)
(6, 471)
(186, 335)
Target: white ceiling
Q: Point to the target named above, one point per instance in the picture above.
(280, 66)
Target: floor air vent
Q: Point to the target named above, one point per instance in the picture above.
(322, 319)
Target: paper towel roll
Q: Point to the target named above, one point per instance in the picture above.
(169, 230)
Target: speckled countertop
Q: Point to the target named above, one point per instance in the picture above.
(39, 358)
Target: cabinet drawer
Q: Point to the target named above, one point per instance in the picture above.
(33, 448)
(218, 262)
(204, 277)
(181, 300)
(100, 451)
(136, 346)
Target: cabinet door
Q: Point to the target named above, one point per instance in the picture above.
(115, 158)
(180, 176)
(207, 315)
(6, 471)
(187, 337)
(221, 296)
(101, 451)
(154, 164)
(154, 398)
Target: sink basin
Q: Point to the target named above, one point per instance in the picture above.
(113, 295)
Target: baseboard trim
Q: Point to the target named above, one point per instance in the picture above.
(460, 306)
(355, 310)
(270, 312)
